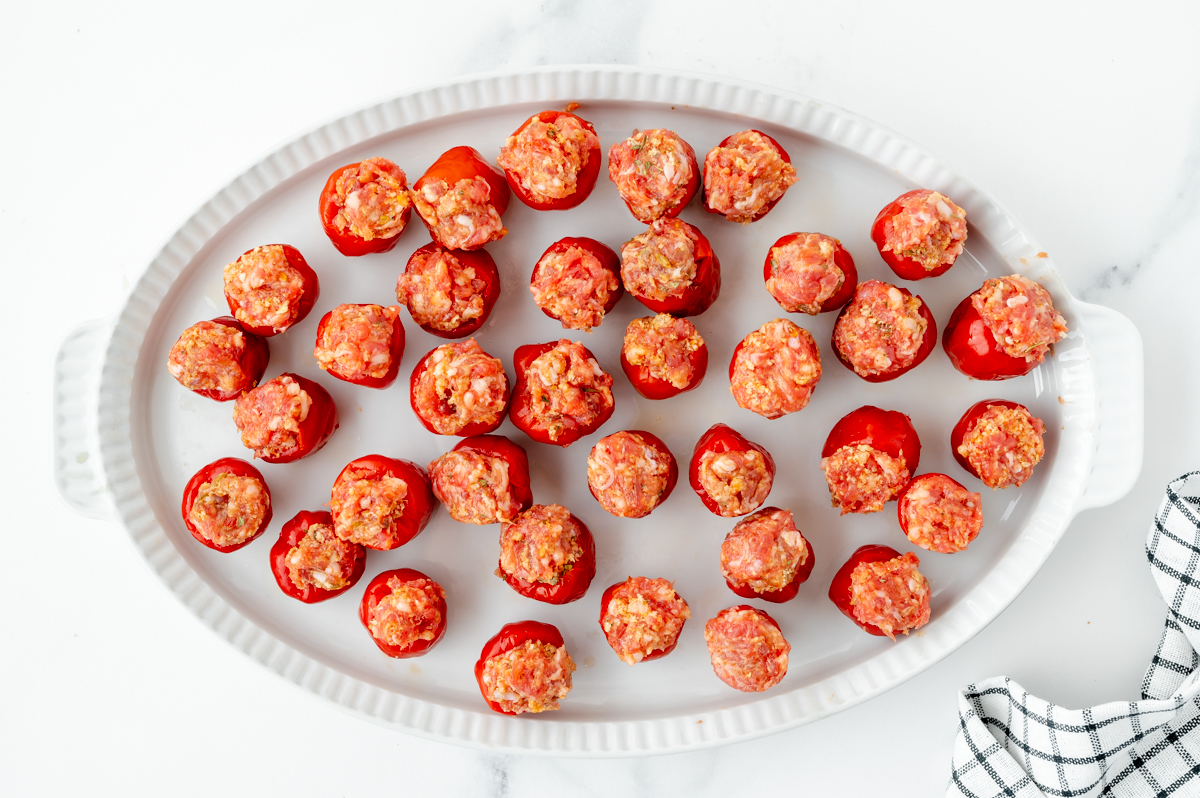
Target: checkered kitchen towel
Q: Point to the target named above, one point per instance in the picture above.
(1013, 744)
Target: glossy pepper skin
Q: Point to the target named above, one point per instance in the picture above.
(290, 536)
(510, 636)
(888, 431)
(839, 589)
(651, 387)
(226, 465)
(316, 428)
(585, 181)
(378, 589)
(972, 349)
(701, 293)
(253, 362)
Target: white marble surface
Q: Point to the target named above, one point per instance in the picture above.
(119, 120)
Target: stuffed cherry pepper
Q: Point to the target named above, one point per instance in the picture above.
(218, 359)
(882, 591)
(380, 502)
(270, 289)
(547, 554)
(730, 474)
(524, 668)
(365, 206)
(361, 344)
(404, 611)
(562, 394)
(999, 442)
(920, 234)
(809, 273)
(1003, 330)
(747, 649)
(939, 514)
(883, 332)
(311, 563)
(226, 504)
(868, 458)
(552, 160)
(285, 419)
(461, 198)
(449, 294)
(671, 268)
(483, 480)
(459, 389)
(642, 618)
(764, 556)
(576, 282)
(655, 172)
(631, 472)
(663, 356)
(775, 369)
(745, 175)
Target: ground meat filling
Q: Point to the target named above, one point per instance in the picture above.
(364, 506)
(207, 357)
(663, 345)
(371, 200)
(892, 595)
(652, 170)
(474, 487)
(803, 273)
(229, 509)
(356, 341)
(410, 613)
(643, 616)
(460, 216)
(881, 329)
(574, 287)
(321, 560)
(1004, 445)
(776, 369)
(565, 383)
(627, 475)
(739, 482)
(529, 678)
(661, 262)
(265, 287)
(929, 229)
(942, 515)
(748, 652)
(547, 157)
(1020, 315)
(763, 552)
(744, 176)
(440, 291)
(462, 385)
(862, 479)
(540, 545)
(269, 416)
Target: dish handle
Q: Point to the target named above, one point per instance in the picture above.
(1118, 363)
(78, 470)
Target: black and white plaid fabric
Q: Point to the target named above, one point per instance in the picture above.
(1013, 744)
